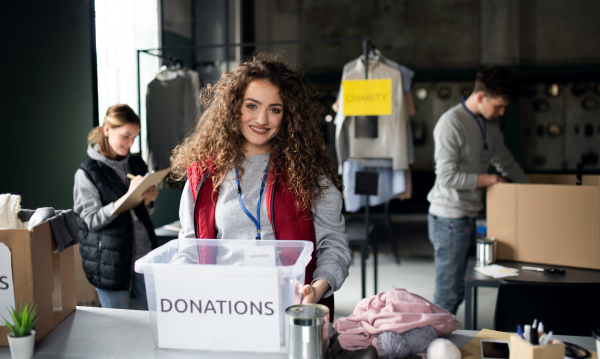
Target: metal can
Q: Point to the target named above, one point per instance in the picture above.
(308, 331)
(486, 251)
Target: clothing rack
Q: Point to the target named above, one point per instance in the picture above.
(158, 52)
(367, 46)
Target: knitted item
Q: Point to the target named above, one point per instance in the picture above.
(10, 204)
(394, 345)
(443, 349)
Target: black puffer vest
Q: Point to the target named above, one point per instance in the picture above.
(108, 253)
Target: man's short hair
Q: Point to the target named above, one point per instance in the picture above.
(497, 81)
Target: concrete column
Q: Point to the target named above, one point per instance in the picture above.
(500, 32)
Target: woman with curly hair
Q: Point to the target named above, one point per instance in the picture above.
(260, 134)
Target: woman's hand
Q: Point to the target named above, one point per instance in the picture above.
(135, 180)
(151, 193)
(313, 293)
(150, 196)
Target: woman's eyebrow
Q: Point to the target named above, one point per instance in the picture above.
(260, 103)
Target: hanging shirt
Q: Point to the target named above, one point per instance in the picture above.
(171, 113)
(391, 138)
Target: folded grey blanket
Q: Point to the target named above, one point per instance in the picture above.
(62, 223)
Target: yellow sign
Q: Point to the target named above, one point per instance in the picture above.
(367, 97)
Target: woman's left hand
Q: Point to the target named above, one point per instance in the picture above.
(150, 196)
(313, 293)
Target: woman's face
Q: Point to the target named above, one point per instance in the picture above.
(120, 139)
(262, 114)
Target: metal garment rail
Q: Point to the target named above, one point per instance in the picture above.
(367, 46)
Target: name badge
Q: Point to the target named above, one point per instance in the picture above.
(485, 155)
(260, 256)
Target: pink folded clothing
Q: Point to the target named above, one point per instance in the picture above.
(396, 310)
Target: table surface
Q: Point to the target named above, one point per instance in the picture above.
(474, 279)
(91, 332)
(572, 275)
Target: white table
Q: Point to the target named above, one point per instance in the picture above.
(117, 333)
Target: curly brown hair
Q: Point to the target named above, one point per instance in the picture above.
(298, 149)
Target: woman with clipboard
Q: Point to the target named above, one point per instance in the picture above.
(111, 242)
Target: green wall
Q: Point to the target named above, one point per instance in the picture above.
(47, 102)
(47, 98)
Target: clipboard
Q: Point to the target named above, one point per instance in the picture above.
(134, 197)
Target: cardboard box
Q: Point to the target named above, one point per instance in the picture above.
(86, 293)
(550, 221)
(521, 349)
(41, 275)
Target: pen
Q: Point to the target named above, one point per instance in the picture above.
(549, 337)
(534, 337)
(130, 176)
(552, 270)
(527, 332)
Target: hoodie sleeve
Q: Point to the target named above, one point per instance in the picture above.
(333, 253)
(87, 203)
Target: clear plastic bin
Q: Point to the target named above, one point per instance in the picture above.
(223, 295)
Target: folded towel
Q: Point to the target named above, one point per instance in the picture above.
(62, 223)
(10, 204)
(40, 215)
(64, 230)
(25, 214)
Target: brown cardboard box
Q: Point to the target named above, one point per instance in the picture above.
(86, 293)
(550, 221)
(521, 349)
(41, 275)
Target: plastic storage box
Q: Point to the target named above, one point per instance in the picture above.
(223, 295)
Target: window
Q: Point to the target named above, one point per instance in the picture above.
(123, 27)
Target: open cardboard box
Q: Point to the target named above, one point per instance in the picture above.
(41, 275)
(550, 221)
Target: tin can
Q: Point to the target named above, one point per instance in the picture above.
(486, 251)
(308, 328)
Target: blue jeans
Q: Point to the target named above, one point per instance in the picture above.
(119, 299)
(451, 239)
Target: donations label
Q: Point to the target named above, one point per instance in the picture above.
(7, 288)
(217, 307)
(367, 97)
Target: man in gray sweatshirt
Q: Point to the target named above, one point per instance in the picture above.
(467, 140)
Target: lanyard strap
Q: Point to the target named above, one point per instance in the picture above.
(262, 188)
(483, 128)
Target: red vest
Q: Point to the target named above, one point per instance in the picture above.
(287, 222)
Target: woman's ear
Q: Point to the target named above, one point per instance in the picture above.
(105, 130)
